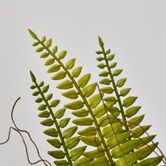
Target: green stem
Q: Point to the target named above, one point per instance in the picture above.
(56, 125)
(115, 89)
(86, 103)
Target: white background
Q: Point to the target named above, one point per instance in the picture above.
(135, 30)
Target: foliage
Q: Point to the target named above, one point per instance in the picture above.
(104, 115)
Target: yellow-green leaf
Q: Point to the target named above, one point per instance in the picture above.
(125, 91)
(54, 142)
(83, 121)
(95, 100)
(105, 81)
(62, 54)
(77, 71)
(129, 101)
(70, 63)
(84, 80)
(81, 113)
(92, 141)
(49, 62)
(75, 105)
(51, 132)
(108, 90)
(72, 142)
(69, 132)
(132, 111)
(47, 122)
(45, 88)
(44, 114)
(59, 113)
(134, 122)
(53, 68)
(117, 72)
(54, 103)
(58, 76)
(58, 154)
(64, 122)
(89, 131)
(67, 84)
(77, 152)
(89, 90)
(72, 94)
(121, 82)
(49, 42)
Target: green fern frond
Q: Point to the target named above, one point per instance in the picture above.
(63, 139)
(127, 143)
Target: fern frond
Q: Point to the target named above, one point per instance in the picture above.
(63, 139)
(132, 145)
(76, 86)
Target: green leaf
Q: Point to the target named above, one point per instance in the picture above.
(121, 82)
(95, 100)
(100, 41)
(33, 87)
(117, 72)
(62, 54)
(111, 57)
(39, 49)
(59, 113)
(150, 161)
(58, 154)
(35, 44)
(44, 114)
(47, 122)
(45, 88)
(61, 163)
(36, 93)
(77, 71)
(33, 77)
(43, 39)
(119, 138)
(103, 74)
(34, 36)
(81, 113)
(101, 65)
(54, 142)
(100, 161)
(70, 63)
(84, 80)
(64, 122)
(67, 84)
(49, 43)
(99, 111)
(125, 148)
(44, 55)
(51, 132)
(72, 94)
(54, 103)
(92, 141)
(100, 58)
(145, 140)
(132, 111)
(108, 90)
(89, 90)
(69, 132)
(53, 68)
(55, 49)
(77, 152)
(125, 91)
(42, 107)
(75, 105)
(72, 142)
(41, 83)
(113, 65)
(49, 96)
(83, 121)
(49, 62)
(105, 81)
(108, 132)
(58, 76)
(94, 154)
(134, 122)
(129, 101)
(39, 100)
(136, 133)
(89, 131)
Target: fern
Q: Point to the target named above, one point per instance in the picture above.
(102, 119)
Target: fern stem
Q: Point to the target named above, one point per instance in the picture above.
(115, 89)
(110, 160)
(56, 125)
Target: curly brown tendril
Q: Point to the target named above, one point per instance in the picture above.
(20, 131)
(164, 158)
